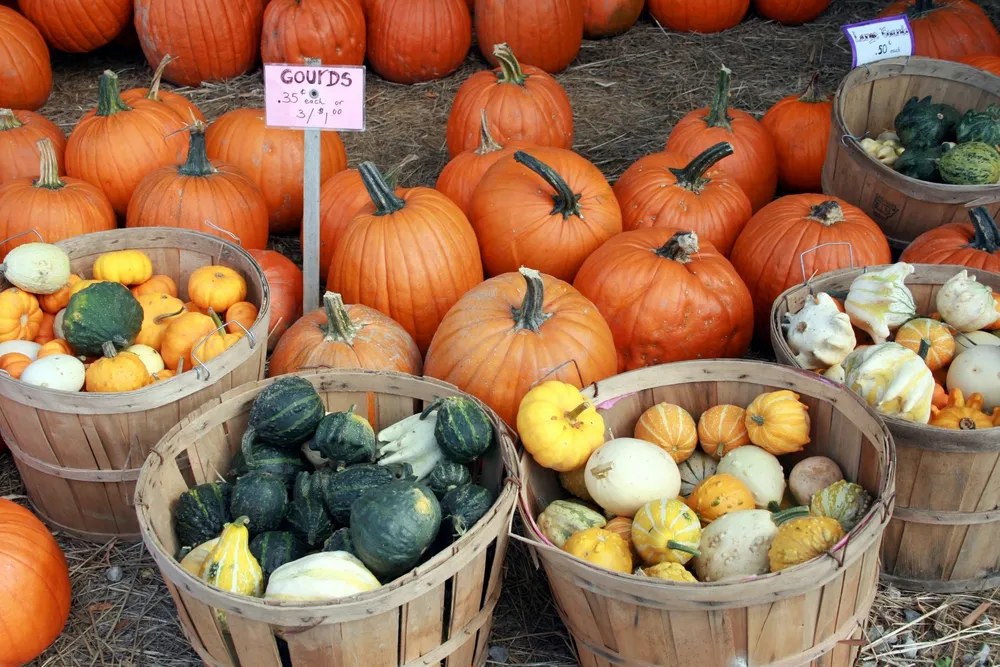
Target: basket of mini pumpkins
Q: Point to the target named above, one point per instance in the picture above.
(691, 513)
(333, 517)
(918, 342)
(106, 341)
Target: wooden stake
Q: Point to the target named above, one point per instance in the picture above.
(310, 215)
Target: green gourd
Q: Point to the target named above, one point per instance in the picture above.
(982, 126)
(201, 513)
(464, 506)
(844, 501)
(562, 518)
(974, 163)
(463, 430)
(281, 463)
(922, 163)
(104, 312)
(393, 525)
(341, 540)
(344, 487)
(307, 514)
(345, 438)
(284, 415)
(262, 498)
(275, 548)
(446, 476)
(923, 124)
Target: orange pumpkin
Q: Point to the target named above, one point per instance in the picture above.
(669, 427)
(20, 316)
(930, 339)
(958, 414)
(46, 330)
(940, 397)
(718, 495)
(331, 30)
(947, 29)
(180, 337)
(181, 105)
(14, 363)
(165, 374)
(78, 26)
(55, 346)
(285, 281)
(159, 284)
(721, 429)
(158, 311)
(401, 32)
(800, 127)
(778, 422)
(215, 344)
(216, 287)
(20, 156)
(975, 245)
(53, 303)
(985, 62)
(243, 312)
(518, 24)
(25, 65)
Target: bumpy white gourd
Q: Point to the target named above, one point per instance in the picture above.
(879, 302)
(39, 268)
(735, 546)
(819, 334)
(966, 304)
(892, 379)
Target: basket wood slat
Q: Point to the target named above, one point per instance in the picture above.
(805, 615)
(944, 535)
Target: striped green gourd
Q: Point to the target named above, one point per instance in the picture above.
(202, 511)
(463, 430)
(275, 548)
(284, 415)
(983, 126)
(345, 438)
(974, 163)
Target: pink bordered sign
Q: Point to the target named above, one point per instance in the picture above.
(303, 97)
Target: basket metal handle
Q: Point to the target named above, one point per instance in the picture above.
(802, 256)
(30, 231)
(199, 364)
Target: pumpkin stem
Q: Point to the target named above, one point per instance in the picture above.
(718, 112)
(154, 85)
(921, 7)
(828, 213)
(566, 201)
(510, 69)
(109, 98)
(924, 348)
(679, 546)
(385, 200)
(8, 121)
(487, 144)
(109, 350)
(789, 514)
(813, 94)
(987, 236)
(215, 317)
(339, 327)
(49, 166)
(577, 411)
(692, 177)
(530, 315)
(197, 163)
(679, 248)
(966, 424)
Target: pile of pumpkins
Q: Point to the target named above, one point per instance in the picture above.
(122, 330)
(656, 505)
(942, 369)
(318, 506)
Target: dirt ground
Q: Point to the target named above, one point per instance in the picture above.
(627, 92)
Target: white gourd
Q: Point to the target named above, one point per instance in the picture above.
(972, 339)
(56, 371)
(879, 302)
(39, 268)
(57, 323)
(835, 373)
(966, 304)
(321, 576)
(759, 470)
(150, 358)
(978, 371)
(819, 334)
(624, 474)
(892, 379)
(30, 348)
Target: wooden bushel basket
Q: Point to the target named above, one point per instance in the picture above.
(944, 536)
(811, 614)
(867, 101)
(441, 611)
(79, 454)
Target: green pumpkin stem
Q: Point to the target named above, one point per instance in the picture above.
(828, 213)
(48, 166)
(692, 177)
(487, 144)
(339, 327)
(159, 318)
(987, 236)
(577, 411)
(813, 94)
(924, 348)
(510, 69)
(784, 516)
(385, 200)
(679, 248)
(215, 317)
(679, 546)
(8, 121)
(109, 98)
(530, 315)
(718, 112)
(197, 163)
(566, 201)
(154, 85)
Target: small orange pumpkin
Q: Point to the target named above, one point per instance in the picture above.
(940, 397)
(192, 307)
(20, 316)
(181, 335)
(158, 311)
(721, 429)
(959, 414)
(53, 303)
(216, 343)
(669, 427)
(718, 495)
(165, 374)
(930, 339)
(243, 312)
(14, 363)
(158, 284)
(216, 287)
(46, 329)
(55, 346)
(117, 371)
(80, 285)
(778, 422)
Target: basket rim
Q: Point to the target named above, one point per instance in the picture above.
(494, 526)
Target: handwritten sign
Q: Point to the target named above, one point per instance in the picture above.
(315, 98)
(880, 39)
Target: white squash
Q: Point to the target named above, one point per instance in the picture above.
(39, 268)
(759, 470)
(978, 371)
(892, 379)
(819, 334)
(57, 321)
(29, 348)
(195, 559)
(57, 371)
(970, 339)
(835, 373)
(966, 304)
(321, 576)
(735, 546)
(624, 474)
(697, 467)
(879, 302)
(151, 359)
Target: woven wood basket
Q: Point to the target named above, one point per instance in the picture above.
(79, 454)
(944, 536)
(867, 101)
(441, 611)
(811, 614)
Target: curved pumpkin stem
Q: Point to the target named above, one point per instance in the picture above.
(8, 121)
(692, 177)
(339, 327)
(718, 112)
(679, 248)
(814, 94)
(49, 166)
(197, 163)
(828, 213)
(530, 315)
(510, 69)
(385, 200)
(567, 202)
(154, 85)
(678, 546)
(987, 236)
(487, 144)
(109, 350)
(109, 98)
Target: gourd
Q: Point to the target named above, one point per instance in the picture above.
(666, 530)
(698, 467)
(393, 525)
(53, 303)
(965, 304)
(721, 429)
(275, 548)
(624, 474)
(718, 495)
(320, 577)
(117, 372)
(38, 268)
(13, 364)
(58, 371)
(463, 429)
(262, 498)
(930, 339)
(669, 427)
(150, 358)
(128, 267)
(341, 540)
(736, 544)
(158, 311)
(241, 316)
(307, 514)
(978, 372)
(103, 312)
(230, 566)
(759, 470)
(960, 414)
(820, 334)
(180, 337)
(622, 525)
(346, 486)
(28, 348)
(409, 447)
(558, 426)
(285, 414)
(448, 475)
(778, 422)
(981, 126)
(157, 284)
(922, 163)
(562, 518)
(195, 558)
(54, 346)
(20, 316)
(282, 463)
(465, 505)
(844, 501)
(803, 539)
(974, 163)
(811, 475)
(879, 302)
(216, 287)
(669, 572)
(892, 379)
(575, 482)
(970, 340)
(922, 124)
(602, 548)
(345, 438)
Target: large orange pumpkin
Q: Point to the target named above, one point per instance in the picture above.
(786, 234)
(754, 164)
(285, 281)
(517, 225)
(19, 135)
(521, 103)
(947, 29)
(25, 69)
(210, 40)
(988, 63)
(202, 195)
(544, 33)
(410, 255)
(78, 26)
(667, 298)
(975, 245)
(604, 18)
(705, 16)
(513, 330)
(35, 590)
(791, 12)
(274, 159)
(410, 41)
(56, 207)
(672, 190)
(184, 107)
(339, 336)
(800, 127)
(116, 145)
(331, 30)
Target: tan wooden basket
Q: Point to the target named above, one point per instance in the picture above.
(812, 614)
(944, 536)
(441, 611)
(79, 454)
(867, 101)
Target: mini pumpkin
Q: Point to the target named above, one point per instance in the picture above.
(930, 339)
(666, 530)
(216, 287)
(669, 427)
(802, 539)
(778, 422)
(215, 343)
(244, 313)
(20, 316)
(14, 363)
(53, 303)
(158, 284)
(558, 426)
(55, 346)
(181, 335)
(960, 414)
(117, 371)
(718, 495)
(721, 429)
(602, 548)
(622, 525)
(158, 311)
(128, 267)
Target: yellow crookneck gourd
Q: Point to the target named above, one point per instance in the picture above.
(879, 302)
(558, 426)
(802, 539)
(230, 566)
(820, 335)
(961, 414)
(965, 304)
(892, 379)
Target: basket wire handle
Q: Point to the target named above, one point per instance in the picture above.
(199, 364)
(558, 368)
(16, 236)
(234, 237)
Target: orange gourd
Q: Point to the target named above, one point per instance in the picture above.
(958, 414)
(53, 303)
(216, 287)
(931, 340)
(721, 429)
(14, 363)
(800, 127)
(158, 311)
(117, 371)
(940, 397)
(55, 346)
(165, 374)
(669, 427)
(180, 337)
(20, 316)
(718, 495)
(215, 344)
(244, 313)
(158, 284)
(778, 422)
(46, 329)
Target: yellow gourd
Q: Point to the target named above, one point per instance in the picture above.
(230, 566)
(602, 548)
(892, 379)
(558, 426)
(117, 371)
(81, 285)
(960, 414)
(778, 422)
(802, 539)
(573, 481)
(216, 287)
(216, 343)
(669, 427)
(666, 531)
(718, 495)
(670, 572)
(158, 311)
(128, 267)
(879, 302)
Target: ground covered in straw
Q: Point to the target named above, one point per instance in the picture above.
(627, 93)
